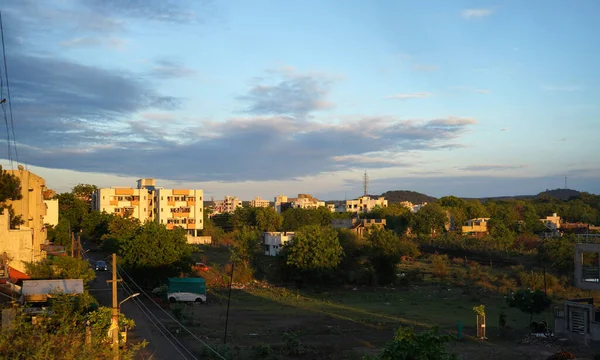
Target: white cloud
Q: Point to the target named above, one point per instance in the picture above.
(417, 95)
(476, 13)
(504, 129)
(453, 121)
(482, 91)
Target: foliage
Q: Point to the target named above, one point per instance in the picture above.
(414, 197)
(59, 234)
(154, 253)
(296, 218)
(408, 345)
(440, 265)
(267, 219)
(245, 246)
(84, 192)
(10, 189)
(72, 209)
(61, 267)
(479, 310)
(559, 253)
(430, 220)
(293, 346)
(384, 250)
(61, 334)
(314, 249)
(529, 301)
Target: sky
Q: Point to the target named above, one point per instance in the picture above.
(260, 98)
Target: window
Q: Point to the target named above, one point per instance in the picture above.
(103, 197)
(144, 209)
(103, 209)
(161, 209)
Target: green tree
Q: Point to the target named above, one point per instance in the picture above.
(314, 248)
(246, 243)
(244, 218)
(267, 219)
(73, 210)
(10, 189)
(84, 192)
(430, 220)
(529, 301)
(61, 267)
(61, 334)
(409, 345)
(59, 234)
(154, 253)
(296, 218)
(385, 249)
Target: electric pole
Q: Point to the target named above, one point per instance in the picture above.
(115, 309)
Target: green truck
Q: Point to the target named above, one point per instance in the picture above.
(187, 290)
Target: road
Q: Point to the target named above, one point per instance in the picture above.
(159, 346)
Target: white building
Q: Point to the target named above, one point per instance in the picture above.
(227, 205)
(552, 222)
(365, 204)
(303, 201)
(412, 207)
(171, 207)
(258, 202)
(273, 241)
(51, 217)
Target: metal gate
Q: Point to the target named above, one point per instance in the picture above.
(577, 321)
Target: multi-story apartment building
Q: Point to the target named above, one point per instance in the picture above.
(258, 202)
(227, 205)
(171, 207)
(412, 207)
(32, 209)
(303, 201)
(51, 217)
(365, 204)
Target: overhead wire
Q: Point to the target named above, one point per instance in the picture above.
(169, 315)
(147, 312)
(12, 124)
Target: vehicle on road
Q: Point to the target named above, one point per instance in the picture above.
(101, 265)
(187, 290)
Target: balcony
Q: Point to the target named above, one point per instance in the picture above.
(171, 202)
(114, 203)
(181, 214)
(170, 226)
(191, 226)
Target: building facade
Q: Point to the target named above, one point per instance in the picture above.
(365, 204)
(552, 222)
(476, 226)
(258, 202)
(303, 201)
(51, 217)
(274, 241)
(227, 205)
(31, 208)
(171, 207)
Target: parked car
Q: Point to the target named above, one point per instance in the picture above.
(201, 267)
(101, 266)
(187, 289)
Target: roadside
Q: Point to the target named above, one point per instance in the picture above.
(159, 347)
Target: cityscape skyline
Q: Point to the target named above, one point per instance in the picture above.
(259, 99)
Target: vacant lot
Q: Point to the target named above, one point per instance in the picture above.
(351, 322)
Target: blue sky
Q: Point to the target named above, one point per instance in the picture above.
(470, 98)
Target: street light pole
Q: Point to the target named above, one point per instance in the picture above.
(115, 309)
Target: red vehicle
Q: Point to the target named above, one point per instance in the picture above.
(200, 267)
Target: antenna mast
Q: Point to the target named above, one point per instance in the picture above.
(566, 183)
(366, 184)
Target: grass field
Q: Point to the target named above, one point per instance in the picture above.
(346, 323)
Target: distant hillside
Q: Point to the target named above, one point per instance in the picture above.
(561, 194)
(414, 197)
(515, 197)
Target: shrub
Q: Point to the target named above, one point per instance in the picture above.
(440, 269)
(408, 345)
(293, 346)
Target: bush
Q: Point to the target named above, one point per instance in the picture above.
(293, 346)
(408, 345)
(440, 268)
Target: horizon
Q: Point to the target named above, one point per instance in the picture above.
(302, 97)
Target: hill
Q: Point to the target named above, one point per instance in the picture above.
(395, 196)
(561, 194)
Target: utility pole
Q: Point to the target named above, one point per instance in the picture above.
(115, 309)
(228, 302)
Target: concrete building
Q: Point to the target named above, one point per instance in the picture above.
(17, 244)
(258, 202)
(303, 201)
(358, 226)
(51, 217)
(180, 208)
(171, 207)
(227, 205)
(552, 222)
(274, 241)
(477, 226)
(365, 204)
(31, 208)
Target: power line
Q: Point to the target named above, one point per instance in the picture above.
(169, 315)
(147, 313)
(12, 124)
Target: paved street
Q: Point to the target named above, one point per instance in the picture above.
(159, 347)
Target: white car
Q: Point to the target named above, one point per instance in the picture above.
(186, 297)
